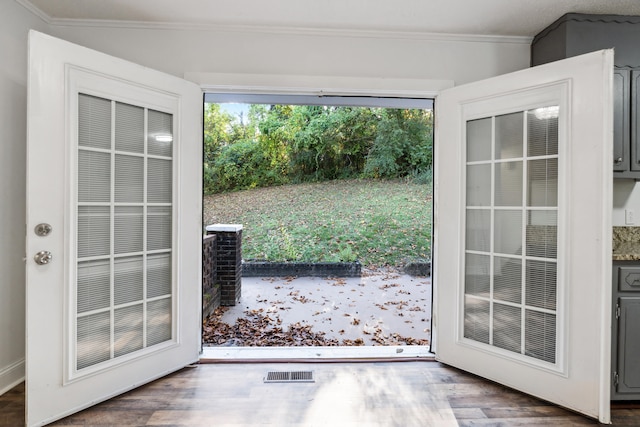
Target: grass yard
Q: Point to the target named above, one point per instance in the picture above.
(379, 223)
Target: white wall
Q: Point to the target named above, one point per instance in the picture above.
(14, 24)
(180, 51)
(626, 195)
(307, 57)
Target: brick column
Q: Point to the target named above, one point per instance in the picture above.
(228, 261)
(210, 289)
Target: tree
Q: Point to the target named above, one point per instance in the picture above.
(276, 128)
(216, 127)
(403, 144)
(277, 144)
(331, 142)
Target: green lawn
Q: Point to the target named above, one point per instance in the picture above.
(375, 222)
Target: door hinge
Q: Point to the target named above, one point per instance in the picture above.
(617, 311)
(616, 379)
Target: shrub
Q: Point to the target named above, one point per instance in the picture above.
(402, 146)
(240, 166)
(331, 142)
(285, 143)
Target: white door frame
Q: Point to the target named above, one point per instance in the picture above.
(270, 86)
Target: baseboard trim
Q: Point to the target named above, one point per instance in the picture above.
(11, 376)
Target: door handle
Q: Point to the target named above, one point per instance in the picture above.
(43, 257)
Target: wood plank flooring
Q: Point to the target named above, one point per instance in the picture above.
(344, 394)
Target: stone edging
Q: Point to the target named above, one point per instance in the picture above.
(320, 269)
(303, 269)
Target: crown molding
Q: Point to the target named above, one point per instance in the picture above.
(274, 30)
(35, 10)
(295, 31)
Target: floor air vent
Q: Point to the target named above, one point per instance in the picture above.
(289, 377)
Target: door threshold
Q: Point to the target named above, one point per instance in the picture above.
(397, 352)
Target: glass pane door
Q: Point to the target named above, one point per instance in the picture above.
(124, 230)
(510, 232)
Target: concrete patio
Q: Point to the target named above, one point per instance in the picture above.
(381, 308)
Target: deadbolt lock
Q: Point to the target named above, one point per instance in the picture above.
(42, 229)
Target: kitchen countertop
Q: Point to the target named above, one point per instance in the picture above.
(626, 244)
(626, 251)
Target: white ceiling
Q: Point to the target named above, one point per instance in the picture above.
(465, 17)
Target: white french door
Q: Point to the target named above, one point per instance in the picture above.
(522, 215)
(114, 227)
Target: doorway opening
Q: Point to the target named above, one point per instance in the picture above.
(352, 176)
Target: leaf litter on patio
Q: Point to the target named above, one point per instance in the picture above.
(379, 308)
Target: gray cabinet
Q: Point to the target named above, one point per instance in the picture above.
(574, 34)
(621, 116)
(625, 355)
(628, 347)
(635, 121)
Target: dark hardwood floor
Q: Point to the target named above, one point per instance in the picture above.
(344, 394)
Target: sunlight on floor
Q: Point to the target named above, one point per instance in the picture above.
(364, 397)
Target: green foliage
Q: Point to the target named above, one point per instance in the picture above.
(216, 124)
(278, 144)
(275, 129)
(236, 156)
(331, 142)
(346, 254)
(421, 177)
(402, 146)
(280, 245)
(241, 166)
